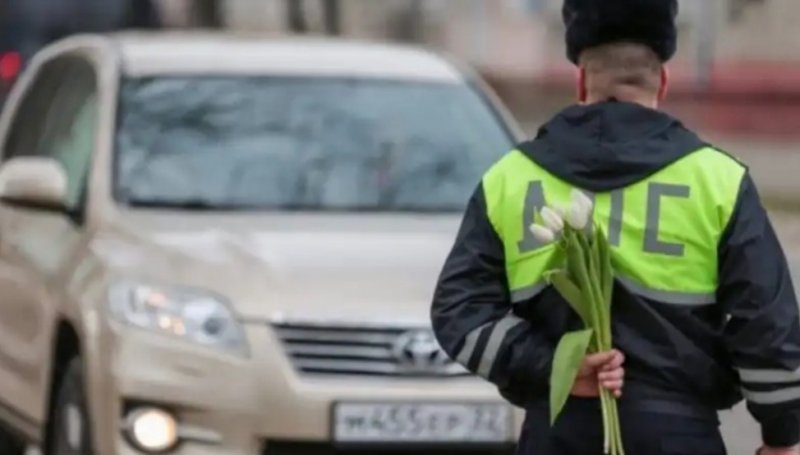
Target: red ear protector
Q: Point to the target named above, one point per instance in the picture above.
(662, 92)
(582, 92)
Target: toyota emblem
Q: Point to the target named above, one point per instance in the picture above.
(418, 352)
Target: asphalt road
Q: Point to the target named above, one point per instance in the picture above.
(740, 432)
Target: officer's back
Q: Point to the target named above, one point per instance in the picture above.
(704, 308)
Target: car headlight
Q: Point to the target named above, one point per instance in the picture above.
(195, 316)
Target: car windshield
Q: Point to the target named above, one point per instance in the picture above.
(272, 143)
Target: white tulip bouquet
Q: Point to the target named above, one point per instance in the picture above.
(586, 283)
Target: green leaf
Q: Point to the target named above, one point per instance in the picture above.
(572, 294)
(569, 355)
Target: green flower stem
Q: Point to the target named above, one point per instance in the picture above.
(606, 267)
(607, 422)
(594, 293)
(617, 428)
(598, 301)
(597, 270)
(576, 257)
(587, 284)
(610, 403)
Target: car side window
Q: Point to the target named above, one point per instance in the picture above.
(59, 119)
(29, 120)
(73, 129)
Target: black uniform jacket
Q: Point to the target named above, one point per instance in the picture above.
(747, 344)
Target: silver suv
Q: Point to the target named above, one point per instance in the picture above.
(220, 245)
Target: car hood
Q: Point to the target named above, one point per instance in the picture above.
(355, 268)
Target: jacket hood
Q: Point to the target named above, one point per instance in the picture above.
(605, 146)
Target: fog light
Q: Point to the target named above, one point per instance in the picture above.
(152, 430)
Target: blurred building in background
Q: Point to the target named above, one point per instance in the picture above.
(514, 36)
(741, 58)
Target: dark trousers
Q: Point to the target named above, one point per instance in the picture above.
(579, 431)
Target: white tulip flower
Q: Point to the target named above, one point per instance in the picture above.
(580, 210)
(581, 197)
(552, 220)
(542, 233)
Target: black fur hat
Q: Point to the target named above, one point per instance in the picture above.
(594, 22)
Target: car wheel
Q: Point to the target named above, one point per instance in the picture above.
(70, 430)
(9, 445)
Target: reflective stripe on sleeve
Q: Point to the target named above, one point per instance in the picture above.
(754, 376)
(772, 397)
(498, 335)
(470, 343)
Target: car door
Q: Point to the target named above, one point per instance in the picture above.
(57, 118)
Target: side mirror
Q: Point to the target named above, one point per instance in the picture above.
(34, 181)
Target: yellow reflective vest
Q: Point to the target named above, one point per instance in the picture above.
(664, 229)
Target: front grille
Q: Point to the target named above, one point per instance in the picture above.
(297, 448)
(385, 351)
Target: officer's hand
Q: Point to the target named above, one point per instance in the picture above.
(612, 375)
(784, 451)
(600, 369)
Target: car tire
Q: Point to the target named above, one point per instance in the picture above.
(9, 445)
(70, 432)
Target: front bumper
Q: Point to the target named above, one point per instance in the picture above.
(228, 405)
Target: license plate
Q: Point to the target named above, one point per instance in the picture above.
(421, 423)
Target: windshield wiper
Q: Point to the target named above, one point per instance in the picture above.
(187, 204)
(205, 205)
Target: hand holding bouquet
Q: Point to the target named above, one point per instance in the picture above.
(586, 282)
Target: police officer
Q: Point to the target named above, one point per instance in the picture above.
(704, 309)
